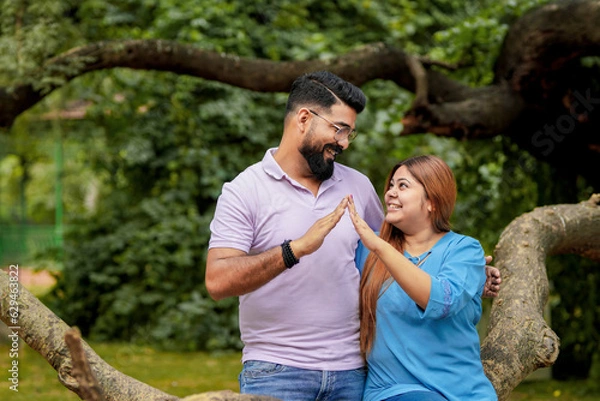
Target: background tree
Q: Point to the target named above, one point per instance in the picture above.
(202, 96)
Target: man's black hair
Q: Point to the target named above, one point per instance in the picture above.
(324, 89)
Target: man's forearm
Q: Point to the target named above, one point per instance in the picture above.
(228, 276)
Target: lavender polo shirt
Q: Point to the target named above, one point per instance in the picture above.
(306, 317)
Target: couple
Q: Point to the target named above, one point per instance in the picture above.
(277, 244)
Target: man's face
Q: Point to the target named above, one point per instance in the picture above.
(320, 147)
(320, 158)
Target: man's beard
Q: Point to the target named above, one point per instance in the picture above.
(322, 169)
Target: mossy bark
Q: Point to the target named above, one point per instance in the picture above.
(519, 341)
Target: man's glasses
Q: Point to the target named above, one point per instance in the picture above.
(342, 132)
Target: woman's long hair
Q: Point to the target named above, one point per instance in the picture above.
(440, 188)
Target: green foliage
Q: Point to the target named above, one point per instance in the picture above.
(29, 170)
(473, 34)
(31, 32)
(576, 316)
(135, 269)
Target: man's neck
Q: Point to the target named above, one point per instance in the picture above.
(296, 167)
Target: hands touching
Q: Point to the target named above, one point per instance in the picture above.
(367, 235)
(314, 237)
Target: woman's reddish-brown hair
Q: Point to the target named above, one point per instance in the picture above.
(440, 188)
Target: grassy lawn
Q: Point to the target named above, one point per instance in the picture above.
(183, 374)
(180, 374)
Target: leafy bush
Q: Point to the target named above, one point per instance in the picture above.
(134, 269)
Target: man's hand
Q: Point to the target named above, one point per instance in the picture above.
(314, 237)
(492, 281)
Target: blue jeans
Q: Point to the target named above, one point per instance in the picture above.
(294, 384)
(418, 396)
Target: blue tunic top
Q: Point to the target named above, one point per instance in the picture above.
(436, 348)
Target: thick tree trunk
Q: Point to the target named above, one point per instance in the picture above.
(519, 341)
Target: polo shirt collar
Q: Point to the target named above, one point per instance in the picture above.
(272, 168)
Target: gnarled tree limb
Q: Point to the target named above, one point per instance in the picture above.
(536, 56)
(519, 341)
(373, 61)
(89, 388)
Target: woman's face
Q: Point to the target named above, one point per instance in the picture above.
(406, 203)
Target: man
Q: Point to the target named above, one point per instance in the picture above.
(299, 298)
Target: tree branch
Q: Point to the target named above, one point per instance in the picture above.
(544, 41)
(537, 69)
(90, 389)
(519, 341)
(478, 113)
(45, 332)
(421, 84)
(374, 61)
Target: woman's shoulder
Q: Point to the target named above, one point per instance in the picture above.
(456, 240)
(453, 236)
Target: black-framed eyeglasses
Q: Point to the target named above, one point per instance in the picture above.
(342, 132)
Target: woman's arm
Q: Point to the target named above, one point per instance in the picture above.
(414, 281)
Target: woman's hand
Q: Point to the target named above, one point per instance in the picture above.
(367, 235)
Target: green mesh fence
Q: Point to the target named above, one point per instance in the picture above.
(20, 243)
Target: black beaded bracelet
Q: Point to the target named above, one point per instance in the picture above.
(288, 255)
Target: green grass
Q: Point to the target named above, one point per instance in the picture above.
(180, 374)
(183, 374)
(546, 390)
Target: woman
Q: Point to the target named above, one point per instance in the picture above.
(421, 291)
